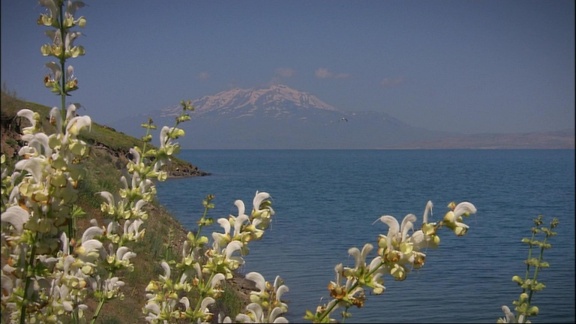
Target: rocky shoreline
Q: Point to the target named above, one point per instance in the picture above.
(182, 169)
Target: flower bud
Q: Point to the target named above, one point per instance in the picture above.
(81, 22)
(87, 270)
(202, 240)
(382, 242)
(449, 217)
(460, 231)
(517, 280)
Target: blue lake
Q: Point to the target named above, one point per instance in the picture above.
(326, 201)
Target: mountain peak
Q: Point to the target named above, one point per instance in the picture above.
(269, 96)
(279, 93)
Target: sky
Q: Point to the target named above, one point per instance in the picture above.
(488, 66)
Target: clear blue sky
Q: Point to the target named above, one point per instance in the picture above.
(466, 66)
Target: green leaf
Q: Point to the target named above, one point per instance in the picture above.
(77, 211)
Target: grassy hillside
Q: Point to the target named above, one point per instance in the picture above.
(164, 234)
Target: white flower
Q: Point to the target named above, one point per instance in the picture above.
(90, 246)
(258, 280)
(280, 289)
(164, 136)
(235, 261)
(510, 318)
(256, 312)
(137, 209)
(258, 315)
(136, 159)
(222, 239)
(78, 123)
(167, 271)
(259, 198)
(360, 257)
(16, 216)
(261, 211)
(398, 248)
(207, 301)
(70, 37)
(56, 71)
(72, 7)
(67, 262)
(264, 289)
(34, 165)
(428, 209)
(339, 269)
(152, 311)
(464, 209)
(453, 218)
(397, 233)
(90, 232)
(71, 110)
(124, 254)
(423, 239)
(275, 317)
(376, 283)
(224, 319)
(216, 280)
(51, 6)
(33, 118)
(108, 196)
(131, 229)
(55, 117)
(37, 144)
(65, 243)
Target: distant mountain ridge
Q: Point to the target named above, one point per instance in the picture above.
(250, 100)
(563, 139)
(279, 117)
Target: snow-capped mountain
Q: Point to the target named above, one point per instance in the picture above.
(279, 117)
(274, 99)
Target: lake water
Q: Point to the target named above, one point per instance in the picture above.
(326, 201)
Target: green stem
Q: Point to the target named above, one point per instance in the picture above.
(146, 135)
(526, 276)
(197, 236)
(29, 270)
(62, 63)
(329, 310)
(100, 304)
(202, 220)
(540, 258)
(62, 81)
(203, 291)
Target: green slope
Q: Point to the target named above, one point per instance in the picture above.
(164, 234)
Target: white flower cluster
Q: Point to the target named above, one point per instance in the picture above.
(37, 207)
(266, 304)
(41, 269)
(47, 273)
(399, 252)
(203, 267)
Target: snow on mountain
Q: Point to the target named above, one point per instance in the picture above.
(274, 98)
(279, 117)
